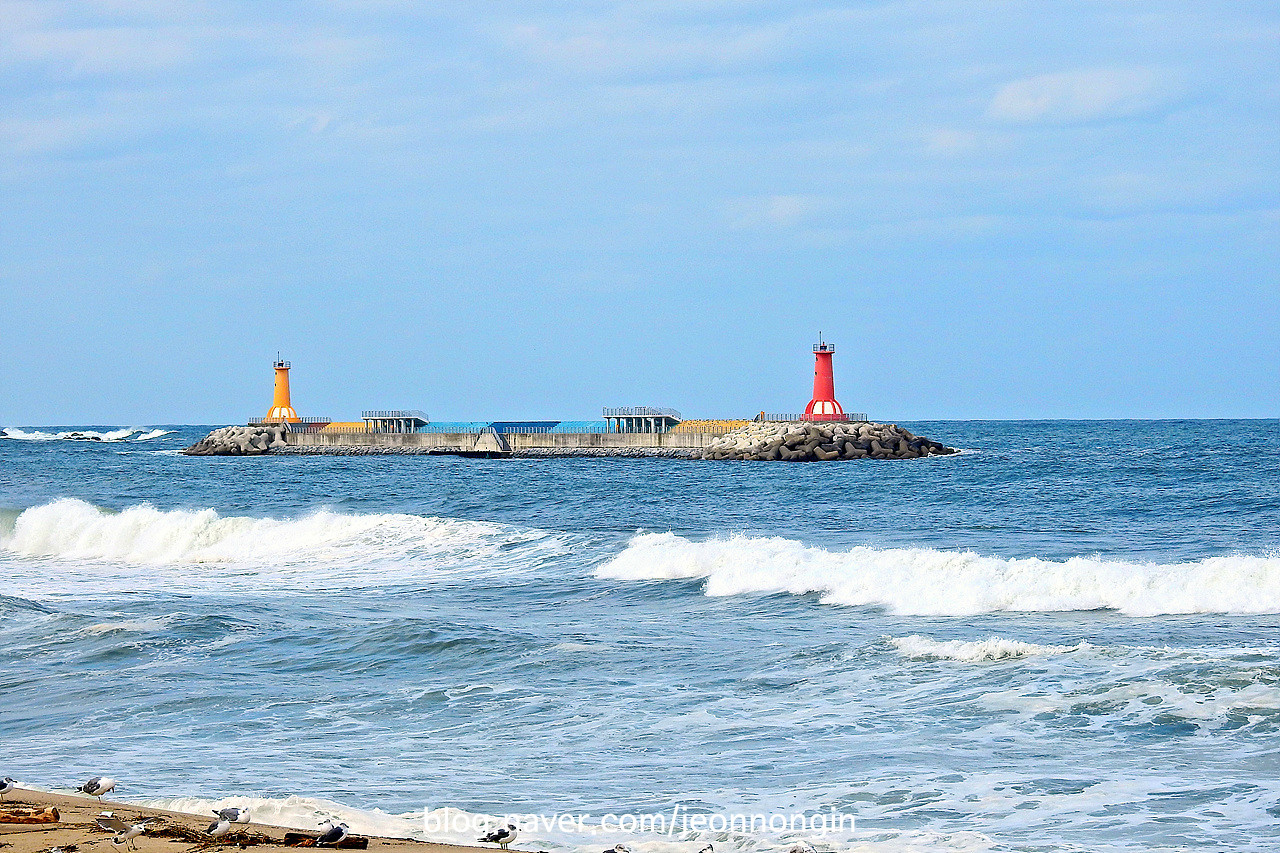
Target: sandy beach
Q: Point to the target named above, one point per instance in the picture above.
(168, 832)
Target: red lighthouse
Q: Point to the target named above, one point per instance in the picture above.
(823, 406)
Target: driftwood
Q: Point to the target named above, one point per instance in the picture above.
(304, 839)
(11, 814)
(181, 832)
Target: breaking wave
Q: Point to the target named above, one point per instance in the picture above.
(581, 833)
(205, 549)
(301, 812)
(924, 581)
(84, 435)
(975, 651)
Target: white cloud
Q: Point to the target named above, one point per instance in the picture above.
(1080, 96)
(948, 142)
(105, 50)
(774, 211)
(23, 136)
(612, 48)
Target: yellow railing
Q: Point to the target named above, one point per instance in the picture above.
(344, 427)
(707, 426)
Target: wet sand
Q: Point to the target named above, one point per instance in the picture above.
(169, 832)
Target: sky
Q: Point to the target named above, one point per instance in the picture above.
(535, 209)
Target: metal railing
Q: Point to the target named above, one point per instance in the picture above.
(784, 416)
(572, 429)
(640, 412)
(478, 430)
(710, 429)
(256, 421)
(454, 429)
(347, 432)
(395, 413)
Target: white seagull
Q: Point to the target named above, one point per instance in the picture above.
(219, 827)
(97, 786)
(501, 837)
(7, 785)
(334, 835)
(133, 832)
(233, 815)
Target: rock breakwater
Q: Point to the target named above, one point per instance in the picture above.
(795, 441)
(239, 441)
(769, 441)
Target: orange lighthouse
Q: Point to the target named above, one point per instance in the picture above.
(281, 408)
(823, 406)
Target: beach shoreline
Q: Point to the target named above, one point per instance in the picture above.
(169, 831)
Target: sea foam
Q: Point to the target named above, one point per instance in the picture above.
(924, 581)
(201, 549)
(76, 529)
(974, 651)
(298, 812)
(132, 434)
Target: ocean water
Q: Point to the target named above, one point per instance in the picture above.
(1066, 638)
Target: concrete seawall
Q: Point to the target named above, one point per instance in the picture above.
(519, 443)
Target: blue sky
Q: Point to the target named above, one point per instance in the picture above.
(1005, 210)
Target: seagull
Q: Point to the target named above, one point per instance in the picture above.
(334, 835)
(7, 785)
(501, 837)
(233, 815)
(111, 823)
(131, 833)
(97, 786)
(219, 827)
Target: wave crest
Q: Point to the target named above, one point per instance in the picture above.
(133, 434)
(975, 651)
(928, 582)
(301, 812)
(73, 529)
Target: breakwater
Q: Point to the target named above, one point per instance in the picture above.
(789, 441)
(240, 441)
(822, 442)
(527, 453)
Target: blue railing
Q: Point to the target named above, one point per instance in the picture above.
(406, 414)
(640, 412)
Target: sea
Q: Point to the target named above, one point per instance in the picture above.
(1064, 638)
